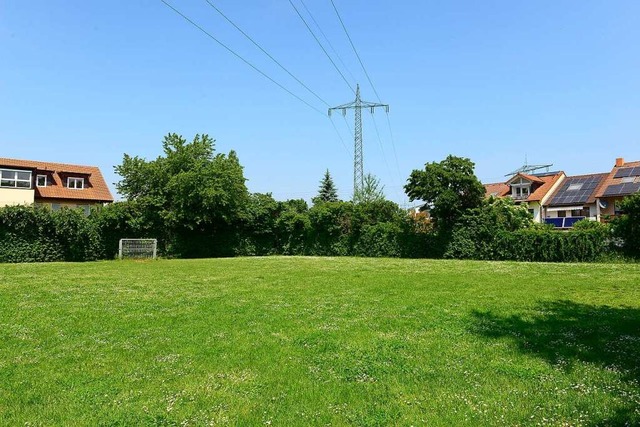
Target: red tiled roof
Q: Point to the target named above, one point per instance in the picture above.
(531, 178)
(548, 182)
(96, 188)
(610, 180)
(498, 189)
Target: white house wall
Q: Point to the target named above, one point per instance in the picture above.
(16, 196)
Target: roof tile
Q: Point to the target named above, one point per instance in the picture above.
(96, 188)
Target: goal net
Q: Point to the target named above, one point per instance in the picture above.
(138, 248)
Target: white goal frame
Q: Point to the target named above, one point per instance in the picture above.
(138, 248)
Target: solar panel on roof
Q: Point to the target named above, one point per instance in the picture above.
(576, 190)
(623, 172)
(622, 189)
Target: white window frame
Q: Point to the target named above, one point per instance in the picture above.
(15, 178)
(521, 191)
(76, 180)
(575, 187)
(45, 180)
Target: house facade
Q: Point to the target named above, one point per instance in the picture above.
(530, 190)
(561, 201)
(574, 200)
(622, 181)
(55, 185)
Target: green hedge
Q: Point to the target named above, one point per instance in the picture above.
(536, 244)
(29, 234)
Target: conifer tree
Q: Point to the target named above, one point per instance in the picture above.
(327, 191)
(372, 190)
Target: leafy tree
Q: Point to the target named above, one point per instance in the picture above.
(327, 191)
(449, 189)
(627, 227)
(196, 199)
(477, 233)
(372, 190)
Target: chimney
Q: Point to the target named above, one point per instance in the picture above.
(619, 162)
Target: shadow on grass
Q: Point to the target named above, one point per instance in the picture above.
(565, 333)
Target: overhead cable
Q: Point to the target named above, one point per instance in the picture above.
(321, 46)
(239, 56)
(265, 52)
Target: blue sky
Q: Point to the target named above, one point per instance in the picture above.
(496, 81)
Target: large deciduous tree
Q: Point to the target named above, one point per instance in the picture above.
(191, 195)
(449, 189)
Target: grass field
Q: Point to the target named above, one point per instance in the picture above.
(319, 341)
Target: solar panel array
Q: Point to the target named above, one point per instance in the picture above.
(622, 189)
(564, 196)
(624, 172)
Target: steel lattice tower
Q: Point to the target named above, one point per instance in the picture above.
(358, 159)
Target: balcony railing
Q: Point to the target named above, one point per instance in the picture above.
(566, 222)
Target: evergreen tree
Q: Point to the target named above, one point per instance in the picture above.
(327, 191)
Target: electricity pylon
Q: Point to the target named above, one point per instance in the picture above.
(358, 161)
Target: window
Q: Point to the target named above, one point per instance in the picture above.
(580, 212)
(531, 212)
(575, 187)
(86, 209)
(41, 180)
(15, 179)
(562, 214)
(521, 192)
(55, 207)
(76, 183)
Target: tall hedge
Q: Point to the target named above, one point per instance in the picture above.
(29, 234)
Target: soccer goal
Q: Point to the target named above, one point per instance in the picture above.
(138, 248)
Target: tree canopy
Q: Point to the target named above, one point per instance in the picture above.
(449, 188)
(189, 188)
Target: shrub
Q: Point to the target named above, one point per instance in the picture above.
(30, 234)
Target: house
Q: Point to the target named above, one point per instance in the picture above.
(497, 189)
(55, 185)
(623, 180)
(574, 200)
(532, 190)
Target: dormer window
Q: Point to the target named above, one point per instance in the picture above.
(520, 189)
(15, 178)
(75, 183)
(41, 180)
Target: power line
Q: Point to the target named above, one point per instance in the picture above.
(354, 49)
(321, 46)
(339, 136)
(265, 52)
(393, 144)
(375, 125)
(327, 40)
(239, 57)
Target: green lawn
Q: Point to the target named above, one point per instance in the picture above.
(319, 341)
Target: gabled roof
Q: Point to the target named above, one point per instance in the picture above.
(616, 185)
(531, 178)
(497, 189)
(578, 190)
(96, 188)
(548, 181)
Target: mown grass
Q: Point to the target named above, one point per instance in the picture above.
(319, 341)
